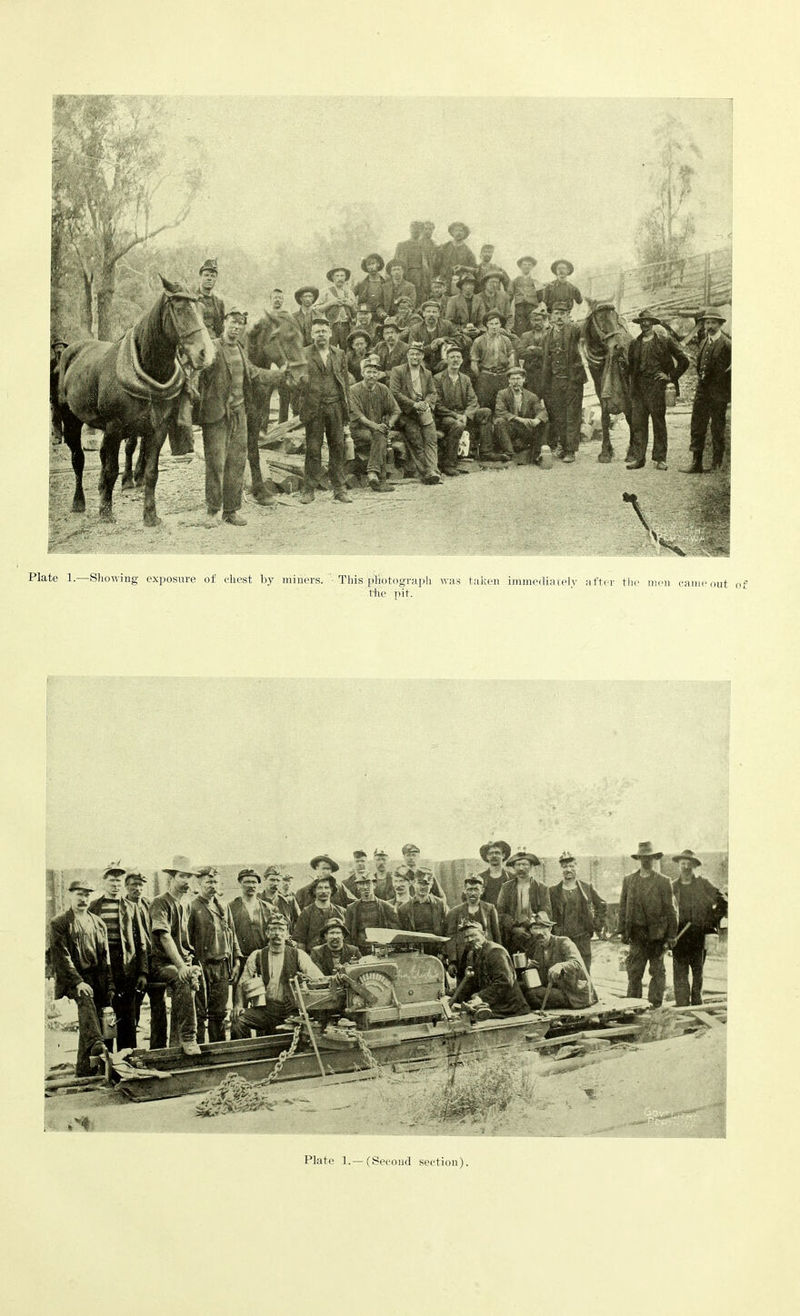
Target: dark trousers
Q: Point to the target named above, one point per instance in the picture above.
(641, 953)
(688, 956)
(329, 422)
(89, 1031)
(477, 427)
(370, 445)
(564, 403)
(708, 406)
(648, 402)
(124, 1002)
(421, 449)
(584, 945)
(212, 1000)
(263, 1018)
(157, 995)
(183, 1015)
(225, 448)
(513, 435)
(556, 1000)
(488, 385)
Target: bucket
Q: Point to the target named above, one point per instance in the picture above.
(520, 959)
(108, 1023)
(546, 457)
(529, 978)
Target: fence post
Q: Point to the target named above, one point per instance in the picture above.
(707, 278)
(620, 289)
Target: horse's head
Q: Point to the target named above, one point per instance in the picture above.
(605, 326)
(278, 340)
(184, 325)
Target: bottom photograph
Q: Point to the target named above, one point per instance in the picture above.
(368, 907)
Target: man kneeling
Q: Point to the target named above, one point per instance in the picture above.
(263, 993)
(488, 986)
(565, 981)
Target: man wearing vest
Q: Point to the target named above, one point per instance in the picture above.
(127, 946)
(212, 933)
(654, 359)
(579, 913)
(324, 411)
(713, 393)
(82, 969)
(457, 410)
(563, 378)
(263, 997)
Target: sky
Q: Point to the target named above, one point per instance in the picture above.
(543, 176)
(229, 769)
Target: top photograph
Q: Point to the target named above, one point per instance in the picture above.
(351, 325)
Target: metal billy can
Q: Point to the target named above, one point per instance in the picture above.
(108, 1023)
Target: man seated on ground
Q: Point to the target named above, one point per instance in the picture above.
(413, 389)
(264, 996)
(457, 410)
(473, 909)
(700, 908)
(521, 897)
(579, 912)
(519, 417)
(373, 415)
(424, 912)
(173, 954)
(334, 951)
(565, 981)
(82, 969)
(367, 912)
(488, 985)
(249, 913)
(213, 935)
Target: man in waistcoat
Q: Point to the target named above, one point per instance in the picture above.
(264, 995)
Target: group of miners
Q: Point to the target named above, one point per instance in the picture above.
(435, 356)
(232, 964)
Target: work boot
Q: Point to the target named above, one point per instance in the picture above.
(233, 518)
(212, 519)
(634, 466)
(568, 458)
(342, 497)
(190, 1048)
(696, 467)
(307, 496)
(373, 481)
(660, 466)
(431, 479)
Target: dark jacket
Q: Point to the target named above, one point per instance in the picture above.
(251, 934)
(574, 982)
(322, 957)
(483, 305)
(588, 916)
(392, 295)
(459, 311)
(575, 372)
(409, 918)
(493, 886)
(669, 358)
(531, 407)
(452, 254)
(455, 397)
(561, 294)
(135, 938)
(507, 900)
(313, 386)
(486, 915)
(384, 915)
(212, 930)
(699, 903)
(714, 367)
(212, 309)
(646, 904)
(490, 973)
(400, 384)
(215, 385)
(366, 400)
(74, 955)
(308, 930)
(304, 319)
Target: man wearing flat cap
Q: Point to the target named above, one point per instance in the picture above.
(81, 966)
(701, 907)
(360, 869)
(713, 393)
(521, 897)
(561, 292)
(564, 978)
(212, 933)
(212, 307)
(338, 304)
(324, 411)
(520, 418)
(226, 396)
(411, 866)
(496, 855)
(305, 298)
(374, 413)
(457, 411)
(488, 985)
(249, 913)
(579, 913)
(286, 901)
(655, 359)
(648, 922)
(173, 958)
(127, 948)
(412, 256)
(563, 378)
(367, 911)
(264, 996)
(530, 349)
(384, 888)
(455, 253)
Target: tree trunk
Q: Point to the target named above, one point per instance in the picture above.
(105, 299)
(87, 302)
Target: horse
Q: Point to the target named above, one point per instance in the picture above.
(273, 340)
(605, 341)
(131, 388)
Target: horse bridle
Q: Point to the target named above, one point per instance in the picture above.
(169, 298)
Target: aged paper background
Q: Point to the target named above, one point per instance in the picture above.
(233, 1223)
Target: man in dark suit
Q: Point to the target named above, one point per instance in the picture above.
(415, 393)
(82, 968)
(655, 359)
(324, 410)
(367, 911)
(226, 394)
(334, 951)
(455, 253)
(521, 898)
(433, 334)
(700, 908)
(648, 922)
(212, 308)
(488, 985)
(424, 912)
(305, 298)
(457, 410)
(473, 909)
(520, 417)
(561, 293)
(412, 256)
(496, 854)
(397, 286)
(713, 393)
(563, 378)
(578, 911)
(213, 936)
(564, 977)
(135, 883)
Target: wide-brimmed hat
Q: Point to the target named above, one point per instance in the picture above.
(532, 259)
(210, 263)
(114, 866)
(373, 255)
(359, 333)
(561, 261)
(484, 850)
(307, 287)
(180, 864)
(80, 884)
(248, 872)
(323, 858)
(646, 314)
(334, 922)
(333, 270)
(457, 223)
(687, 854)
(566, 857)
(646, 851)
(711, 313)
(371, 360)
(534, 860)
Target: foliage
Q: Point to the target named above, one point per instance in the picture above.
(477, 1090)
(665, 232)
(353, 230)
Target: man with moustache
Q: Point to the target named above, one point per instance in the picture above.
(249, 913)
(127, 949)
(305, 298)
(424, 912)
(412, 257)
(563, 378)
(648, 923)
(579, 913)
(561, 293)
(700, 908)
(213, 936)
(334, 951)
(135, 884)
(457, 411)
(371, 288)
(267, 975)
(413, 389)
(530, 349)
(713, 393)
(411, 866)
(173, 954)
(454, 254)
(324, 411)
(520, 899)
(519, 418)
(367, 912)
(492, 297)
(472, 909)
(655, 359)
(82, 969)
(564, 978)
(374, 413)
(496, 855)
(491, 355)
(488, 984)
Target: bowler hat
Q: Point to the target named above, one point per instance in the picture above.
(503, 845)
(532, 259)
(80, 884)
(687, 854)
(526, 854)
(457, 223)
(568, 263)
(180, 864)
(646, 851)
(374, 255)
(566, 857)
(249, 872)
(323, 859)
(114, 867)
(334, 269)
(307, 287)
(209, 264)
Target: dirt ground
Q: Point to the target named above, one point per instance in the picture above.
(496, 510)
(673, 1088)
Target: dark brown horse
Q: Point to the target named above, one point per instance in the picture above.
(605, 340)
(273, 340)
(131, 388)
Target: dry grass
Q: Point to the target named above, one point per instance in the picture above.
(475, 1092)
